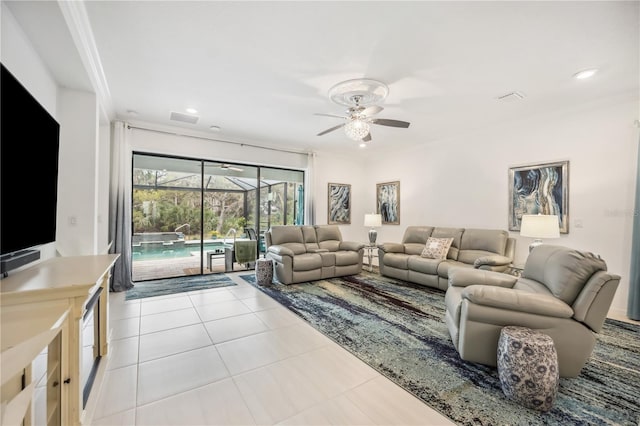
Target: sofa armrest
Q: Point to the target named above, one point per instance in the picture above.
(392, 247)
(351, 245)
(517, 300)
(492, 260)
(463, 277)
(280, 250)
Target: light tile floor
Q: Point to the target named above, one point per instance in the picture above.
(234, 356)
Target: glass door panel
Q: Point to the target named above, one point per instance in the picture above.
(281, 198)
(166, 217)
(228, 189)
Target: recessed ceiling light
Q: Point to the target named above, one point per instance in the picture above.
(214, 128)
(192, 110)
(132, 113)
(363, 145)
(585, 74)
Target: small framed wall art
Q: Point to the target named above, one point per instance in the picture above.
(388, 202)
(539, 189)
(339, 204)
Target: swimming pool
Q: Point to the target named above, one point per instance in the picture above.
(158, 251)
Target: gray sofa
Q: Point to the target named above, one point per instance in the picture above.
(564, 293)
(487, 249)
(308, 253)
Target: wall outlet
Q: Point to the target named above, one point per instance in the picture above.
(578, 223)
(73, 221)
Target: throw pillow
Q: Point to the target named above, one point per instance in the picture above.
(437, 248)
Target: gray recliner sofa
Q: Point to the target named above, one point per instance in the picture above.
(562, 292)
(308, 253)
(488, 249)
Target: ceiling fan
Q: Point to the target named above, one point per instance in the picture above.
(359, 96)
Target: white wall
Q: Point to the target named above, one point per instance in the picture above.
(332, 168)
(76, 232)
(464, 181)
(18, 56)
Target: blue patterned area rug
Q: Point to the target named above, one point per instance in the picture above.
(398, 328)
(177, 285)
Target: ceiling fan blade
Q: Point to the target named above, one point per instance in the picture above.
(331, 115)
(388, 122)
(373, 109)
(331, 129)
(367, 138)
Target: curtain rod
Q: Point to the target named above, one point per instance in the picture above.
(289, 151)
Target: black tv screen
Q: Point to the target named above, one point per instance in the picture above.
(29, 145)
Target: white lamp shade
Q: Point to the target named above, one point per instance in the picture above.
(540, 226)
(372, 220)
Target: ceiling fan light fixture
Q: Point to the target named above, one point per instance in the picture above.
(581, 75)
(356, 129)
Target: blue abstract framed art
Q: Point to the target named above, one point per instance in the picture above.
(539, 189)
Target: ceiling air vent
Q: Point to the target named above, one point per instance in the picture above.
(185, 118)
(510, 97)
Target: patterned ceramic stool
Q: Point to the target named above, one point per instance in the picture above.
(528, 367)
(264, 271)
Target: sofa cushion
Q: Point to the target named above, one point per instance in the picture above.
(417, 234)
(436, 248)
(423, 264)
(562, 270)
(477, 243)
(446, 265)
(289, 236)
(329, 237)
(309, 237)
(307, 262)
(414, 248)
(455, 233)
(396, 260)
(346, 258)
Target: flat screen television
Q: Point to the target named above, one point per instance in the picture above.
(29, 147)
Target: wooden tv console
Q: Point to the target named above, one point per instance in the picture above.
(43, 307)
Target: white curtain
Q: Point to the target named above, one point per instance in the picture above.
(633, 307)
(309, 190)
(120, 205)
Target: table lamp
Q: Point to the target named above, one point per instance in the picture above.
(372, 221)
(539, 226)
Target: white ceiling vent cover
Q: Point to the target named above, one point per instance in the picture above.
(511, 97)
(185, 118)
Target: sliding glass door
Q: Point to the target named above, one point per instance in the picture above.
(188, 214)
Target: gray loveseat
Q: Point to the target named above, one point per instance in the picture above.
(308, 253)
(488, 249)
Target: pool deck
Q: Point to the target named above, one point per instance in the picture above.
(143, 270)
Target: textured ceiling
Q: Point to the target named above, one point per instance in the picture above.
(260, 70)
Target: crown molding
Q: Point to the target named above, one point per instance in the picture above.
(75, 15)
